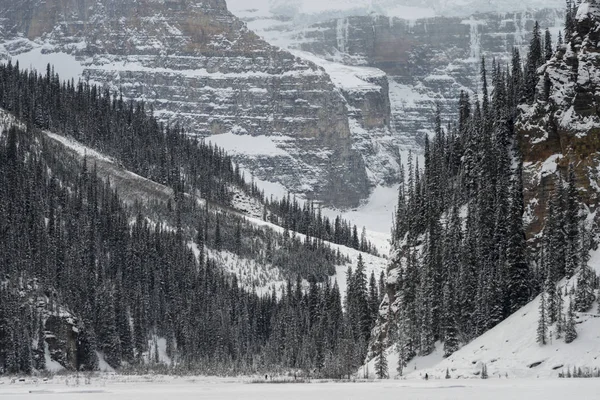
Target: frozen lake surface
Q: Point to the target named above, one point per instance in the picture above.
(228, 389)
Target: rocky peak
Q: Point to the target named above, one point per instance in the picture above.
(562, 126)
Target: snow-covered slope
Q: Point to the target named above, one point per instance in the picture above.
(252, 274)
(510, 349)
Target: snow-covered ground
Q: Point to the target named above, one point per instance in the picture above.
(35, 56)
(511, 348)
(111, 387)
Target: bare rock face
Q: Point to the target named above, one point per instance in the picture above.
(200, 66)
(61, 339)
(562, 126)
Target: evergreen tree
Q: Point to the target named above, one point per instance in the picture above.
(552, 304)
(584, 292)
(534, 60)
(548, 51)
(40, 364)
(87, 359)
(381, 365)
(560, 317)
(542, 329)
(373, 300)
(518, 290)
(570, 331)
(572, 247)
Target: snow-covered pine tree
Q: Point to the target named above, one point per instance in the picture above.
(570, 330)
(373, 300)
(570, 22)
(381, 364)
(552, 306)
(25, 351)
(572, 248)
(548, 50)
(584, 292)
(40, 353)
(534, 60)
(450, 331)
(124, 329)
(108, 337)
(425, 293)
(87, 359)
(519, 289)
(381, 288)
(218, 241)
(560, 316)
(554, 236)
(400, 349)
(542, 329)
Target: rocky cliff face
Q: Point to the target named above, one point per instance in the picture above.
(564, 128)
(201, 67)
(429, 60)
(339, 111)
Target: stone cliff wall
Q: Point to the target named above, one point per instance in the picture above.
(428, 61)
(564, 128)
(202, 68)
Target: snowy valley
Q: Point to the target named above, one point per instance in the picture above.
(299, 191)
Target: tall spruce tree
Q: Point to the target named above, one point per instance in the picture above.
(570, 330)
(534, 60)
(518, 289)
(542, 328)
(381, 364)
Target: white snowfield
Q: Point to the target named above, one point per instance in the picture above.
(187, 388)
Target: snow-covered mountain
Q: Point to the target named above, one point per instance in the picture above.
(314, 10)
(429, 52)
(330, 120)
(199, 66)
(252, 273)
(429, 57)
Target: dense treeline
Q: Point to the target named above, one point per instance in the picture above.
(128, 132)
(308, 219)
(461, 252)
(312, 334)
(71, 251)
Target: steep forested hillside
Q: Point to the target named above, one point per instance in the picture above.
(94, 276)
(130, 134)
(462, 263)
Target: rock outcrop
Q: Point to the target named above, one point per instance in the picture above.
(562, 126)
